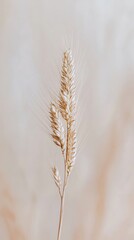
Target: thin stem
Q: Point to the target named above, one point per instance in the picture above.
(62, 195)
(61, 217)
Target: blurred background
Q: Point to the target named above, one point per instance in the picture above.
(100, 196)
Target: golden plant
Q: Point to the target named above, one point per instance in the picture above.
(64, 109)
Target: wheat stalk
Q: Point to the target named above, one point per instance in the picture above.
(64, 108)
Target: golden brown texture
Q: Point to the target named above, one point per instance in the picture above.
(66, 107)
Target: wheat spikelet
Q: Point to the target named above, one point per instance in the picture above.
(57, 127)
(57, 178)
(67, 142)
(67, 91)
(67, 107)
(70, 161)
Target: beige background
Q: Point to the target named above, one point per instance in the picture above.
(100, 196)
